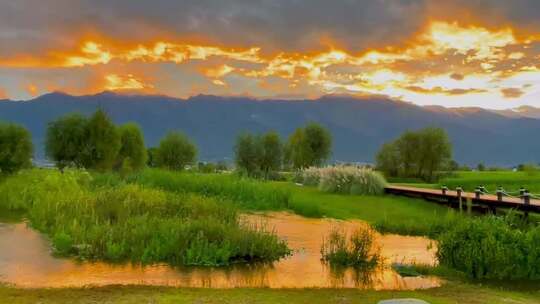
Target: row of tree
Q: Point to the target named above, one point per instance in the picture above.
(97, 143)
(263, 154)
(419, 154)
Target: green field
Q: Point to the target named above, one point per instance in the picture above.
(469, 180)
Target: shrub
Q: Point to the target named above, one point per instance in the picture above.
(311, 176)
(356, 249)
(345, 179)
(491, 248)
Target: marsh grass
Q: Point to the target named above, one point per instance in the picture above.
(355, 249)
(133, 222)
(247, 193)
(344, 180)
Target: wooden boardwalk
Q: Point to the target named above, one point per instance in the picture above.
(486, 201)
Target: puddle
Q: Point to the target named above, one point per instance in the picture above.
(26, 261)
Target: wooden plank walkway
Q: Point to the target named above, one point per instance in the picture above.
(451, 198)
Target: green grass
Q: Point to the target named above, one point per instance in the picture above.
(388, 213)
(450, 293)
(247, 193)
(469, 180)
(510, 181)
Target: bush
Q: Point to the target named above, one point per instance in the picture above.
(339, 249)
(345, 180)
(491, 248)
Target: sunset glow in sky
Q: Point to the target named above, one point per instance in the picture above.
(450, 53)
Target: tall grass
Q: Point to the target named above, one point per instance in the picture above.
(491, 248)
(354, 249)
(133, 222)
(248, 193)
(345, 180)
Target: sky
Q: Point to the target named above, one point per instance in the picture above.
(459, 53)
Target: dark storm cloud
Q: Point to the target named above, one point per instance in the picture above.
(272, 24)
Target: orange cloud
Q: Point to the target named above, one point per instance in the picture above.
(219, 72)
(445, 59)
(116, 82)
(3, 94)
(32, 89)
(512, 93)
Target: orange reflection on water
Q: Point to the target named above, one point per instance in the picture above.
(26, 261)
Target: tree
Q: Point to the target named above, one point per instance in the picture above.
(309, 146)
(246, 153)
(481, 167)
(175, 151)
(102, 143)
(66, 139)
(272, 153)
(151, 157)
(417, 154)
(15, 148)
(319, 143)
(388, 159)
(435, 151)
(132, 154)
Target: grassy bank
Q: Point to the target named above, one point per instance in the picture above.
(388, 213)
(462, 293)
(392, 214)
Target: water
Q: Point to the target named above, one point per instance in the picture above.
(26, 261)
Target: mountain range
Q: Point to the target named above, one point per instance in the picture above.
(359, 125)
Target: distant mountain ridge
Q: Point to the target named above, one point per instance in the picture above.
(359, 125)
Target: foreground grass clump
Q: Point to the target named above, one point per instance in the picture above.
(248, 193)
(131, 222)
(356, 249)
(345, 180)
(491, 248)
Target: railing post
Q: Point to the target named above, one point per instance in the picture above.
(444, 189)
(459, 190)
(499, 194)
(477, 193)
(521, 191)
(526, 196)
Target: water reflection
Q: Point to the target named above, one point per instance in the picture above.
(26, 261)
